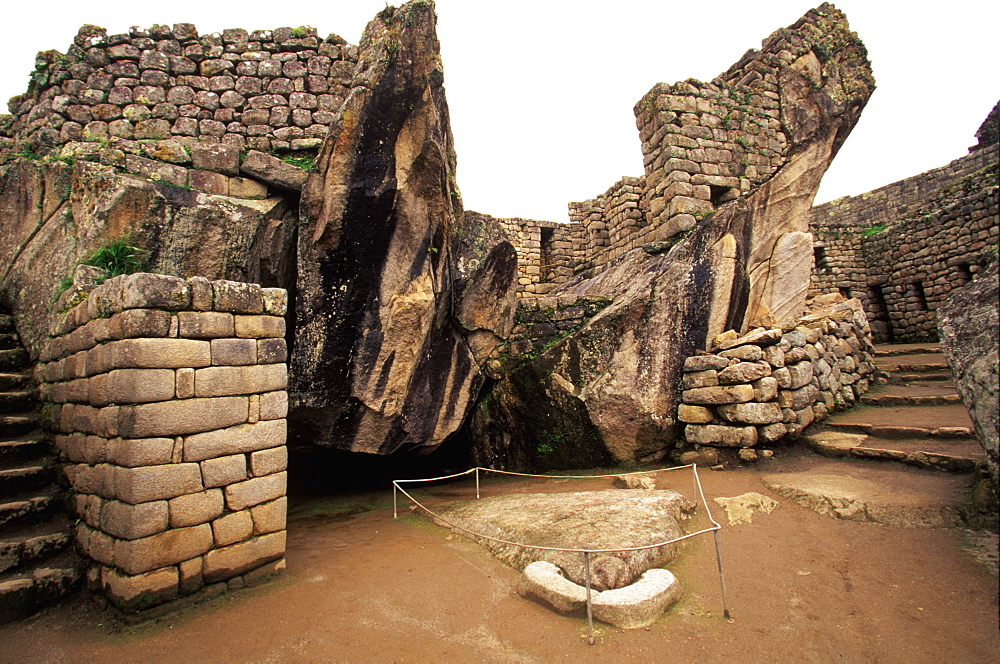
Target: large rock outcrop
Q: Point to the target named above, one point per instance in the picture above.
(399, 299)
(970, 336)
(612, 386)
(53, 215)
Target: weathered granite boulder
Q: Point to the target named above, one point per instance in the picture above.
(610, 389)
(970, 336)
(53, 215)
(579, 520)
(399, 298)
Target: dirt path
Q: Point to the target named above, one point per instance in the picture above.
(361, 587)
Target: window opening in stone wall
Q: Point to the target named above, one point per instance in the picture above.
(845, 291)
(879, 315)
(819, 257)
(964, 272)
(917, 295)
(720, 195)
(545, 253)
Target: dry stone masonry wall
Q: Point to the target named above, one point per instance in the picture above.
(903, 247)
(767, 385)
(181, 107)
(169, 399)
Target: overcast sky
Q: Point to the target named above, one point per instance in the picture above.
(541, 91)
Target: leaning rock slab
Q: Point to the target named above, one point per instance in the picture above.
(639, 604)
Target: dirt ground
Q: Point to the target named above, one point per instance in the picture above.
(362, 587)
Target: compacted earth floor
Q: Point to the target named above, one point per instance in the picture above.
(363, 587)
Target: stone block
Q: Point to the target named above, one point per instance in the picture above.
(134, 592)
(174, 418)
(226, 381)
(167, 548)
(216, 157)
(258, 327)
(208, 182)
(774, 356)
(201, 293)
(139, 323)
(239, 439)
(230, 561)
(125, 386)
(544, 581)
(255, 491)
(639, 604)
(156, 291)
(247, 188)
(275, 301)
(132, 453)
(269, 517)
(748, 353)
(237, 297)
(798, 399)
(190, 575)
(225, 470)
(232, 528)
(269, 461)
(273, 405)
(184, 383)
(205, 324)
(195, 508)
(751, 413)
(765, 389)
(799, 374)
(705, 363)
(718, 395)
(147, 483)
(744, 372)
(274, 171)
(708, 378)
(156, 170)
(233, 352)
(720, 435)
(134, 521)
(160, 353)
(772, 432)
(690, 414)
(271, 351)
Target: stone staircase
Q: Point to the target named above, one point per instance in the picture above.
(37, 561)
(916, 418)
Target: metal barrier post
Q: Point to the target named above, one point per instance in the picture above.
(590, 614)
(395, 514)
(722, 578)
(477, 483)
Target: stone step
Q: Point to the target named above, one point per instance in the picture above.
(910, 400)
(9, 340)
(14, 380)
(14, 359)
(907, 421)
(18, 401)
(910, 377)
(26, 510)
(949, 455)
(21, 451)
(21, 594)
(14, 481)
(900, 432)
(892, 350)
(23, 547)
(15, 425)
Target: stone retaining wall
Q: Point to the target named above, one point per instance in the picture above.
(769, 385)
(169, 400)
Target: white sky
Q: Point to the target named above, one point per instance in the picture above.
(541, 91)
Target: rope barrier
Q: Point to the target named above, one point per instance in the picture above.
(714, 529)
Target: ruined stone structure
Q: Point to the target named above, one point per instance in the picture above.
(904, 247)
(169, 401)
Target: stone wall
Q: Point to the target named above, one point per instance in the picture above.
(770, 384)
(169, 401)
(903, 247)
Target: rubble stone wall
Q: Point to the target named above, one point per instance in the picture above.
(903, 247)
(770, 384)
(169, 400)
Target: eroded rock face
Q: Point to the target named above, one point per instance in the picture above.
(399, 299)
(612, 386)
(968, 327)
(54, 215)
